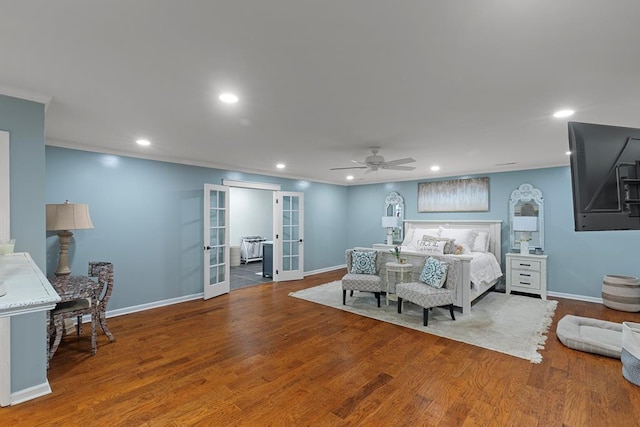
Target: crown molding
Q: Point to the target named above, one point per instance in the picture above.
(26, 94)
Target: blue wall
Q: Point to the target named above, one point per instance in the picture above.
(577, 261)
(148, 220)
(24, 120)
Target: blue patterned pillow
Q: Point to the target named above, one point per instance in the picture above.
(434, 272)
(363, 262)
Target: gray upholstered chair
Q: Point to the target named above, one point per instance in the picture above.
(428, 296)
(355, 280)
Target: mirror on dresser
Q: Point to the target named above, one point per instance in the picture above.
(526, 218)
(394, 206)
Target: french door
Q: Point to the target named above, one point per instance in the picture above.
(216, 240)
(288, 248)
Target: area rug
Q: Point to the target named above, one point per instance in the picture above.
(510, 324)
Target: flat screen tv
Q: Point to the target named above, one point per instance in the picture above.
(605, 172)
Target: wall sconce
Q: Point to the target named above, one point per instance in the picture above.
(64, 218)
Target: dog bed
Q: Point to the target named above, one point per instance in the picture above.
(591, 335)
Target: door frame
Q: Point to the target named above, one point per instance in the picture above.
(257, 186)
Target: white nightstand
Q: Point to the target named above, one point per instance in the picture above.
(527, 273)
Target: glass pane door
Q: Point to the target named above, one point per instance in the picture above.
(216, 240)
(288, 244)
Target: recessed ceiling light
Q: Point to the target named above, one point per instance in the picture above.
(435, 168)
(568, 153)
(280, 165)
(228, 98)
(144, 142)
(563, 113)
(349, 177)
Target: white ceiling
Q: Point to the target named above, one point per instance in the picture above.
(469, 85)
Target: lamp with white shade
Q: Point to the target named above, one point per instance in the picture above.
(525, 225)
(63, 218)
(390, 222)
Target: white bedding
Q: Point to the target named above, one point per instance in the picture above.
(484, 267)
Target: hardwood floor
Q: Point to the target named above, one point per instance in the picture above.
(259, 357)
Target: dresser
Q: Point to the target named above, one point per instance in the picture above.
(527, 273)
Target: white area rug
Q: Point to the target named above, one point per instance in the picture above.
(511, 324)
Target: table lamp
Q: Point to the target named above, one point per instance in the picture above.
(390, 222)
(63, 218)
(525, 225)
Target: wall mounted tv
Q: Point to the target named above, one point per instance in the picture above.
(605, 172)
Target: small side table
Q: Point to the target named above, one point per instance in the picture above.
(396, 267)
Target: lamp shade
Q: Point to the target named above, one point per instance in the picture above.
(390, 222)
(68, 216)
(525, 223)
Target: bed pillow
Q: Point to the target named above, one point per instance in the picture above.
(416, 234)
(449, 246)
(434, 272)
(431, 246)
(464, 237)
(481, 244)
(363, 262)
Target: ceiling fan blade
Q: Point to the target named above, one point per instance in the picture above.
(399, 162)
(399, 168)
(350, 167)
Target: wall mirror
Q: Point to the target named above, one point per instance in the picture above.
(394, 206)
(526, 217)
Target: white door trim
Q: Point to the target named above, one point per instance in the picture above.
(254, 185)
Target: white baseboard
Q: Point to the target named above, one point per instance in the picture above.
(575, 297)
(30, 393)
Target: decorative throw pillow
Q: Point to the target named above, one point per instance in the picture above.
(363, 262)
(434, 272)
(431, 246)
(430, 243)
(463, 236)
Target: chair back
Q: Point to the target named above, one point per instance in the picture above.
(349, 259)
(104, 272)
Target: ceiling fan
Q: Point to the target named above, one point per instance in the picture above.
(374, 162)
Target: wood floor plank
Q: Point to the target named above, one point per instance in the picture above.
(259, 357)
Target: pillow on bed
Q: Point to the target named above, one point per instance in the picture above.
(449, 246)
(432, 246)
(463, 236)
(481, 244)
(363, 262)
(416, 234)
(434, 272)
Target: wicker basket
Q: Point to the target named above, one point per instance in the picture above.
(621, 293)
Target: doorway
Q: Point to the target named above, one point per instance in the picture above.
(250, 227)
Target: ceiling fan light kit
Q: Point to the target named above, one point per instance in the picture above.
(375, 162)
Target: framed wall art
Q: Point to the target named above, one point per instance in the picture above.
(454, 195)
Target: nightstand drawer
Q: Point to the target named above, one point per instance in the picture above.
(525, 264)
(525, 279)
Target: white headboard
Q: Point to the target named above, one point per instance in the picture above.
(493, 227)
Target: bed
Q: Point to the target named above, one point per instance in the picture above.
(477, 269)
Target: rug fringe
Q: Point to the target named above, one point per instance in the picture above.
(541, 338)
